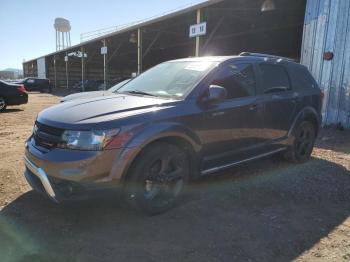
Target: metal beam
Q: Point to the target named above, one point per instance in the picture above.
(115, 51)
(151, 44)
(197, 37)
(139, 51)
(212, 33)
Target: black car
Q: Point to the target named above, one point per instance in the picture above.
(12, 94)
(42, 85)
(177, 121)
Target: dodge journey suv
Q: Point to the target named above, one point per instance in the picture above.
(174, 123)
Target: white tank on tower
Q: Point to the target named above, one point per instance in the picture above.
(62, 27)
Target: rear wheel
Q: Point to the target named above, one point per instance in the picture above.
(157, 178)
(45, 90)
(304, 140)
(3, 104)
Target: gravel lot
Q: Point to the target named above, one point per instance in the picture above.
(266, 211)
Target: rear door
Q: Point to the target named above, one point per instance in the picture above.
(30, 84)
(279, 100)
(235, 126)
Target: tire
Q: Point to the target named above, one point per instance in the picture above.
(45, 90)
(3, 104)
(304, 140)
(157, 178)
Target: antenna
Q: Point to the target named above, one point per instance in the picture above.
(62, 27)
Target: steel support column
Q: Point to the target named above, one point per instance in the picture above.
(82, 68)
(139, 51)
(55, 70)
(197, 53)
(67, 80)
(104, 67)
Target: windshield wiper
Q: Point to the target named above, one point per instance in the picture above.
(138, 92)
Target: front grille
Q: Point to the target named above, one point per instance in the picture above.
(46, 136)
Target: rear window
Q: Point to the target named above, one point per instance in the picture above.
(301, 78)
(274, 78)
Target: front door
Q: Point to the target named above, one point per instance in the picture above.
(233, 128)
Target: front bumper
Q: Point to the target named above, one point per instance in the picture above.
(38, 179)
(71, 174)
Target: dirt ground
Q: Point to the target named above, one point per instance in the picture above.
(269, 210)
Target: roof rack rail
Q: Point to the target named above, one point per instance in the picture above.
(267, 56)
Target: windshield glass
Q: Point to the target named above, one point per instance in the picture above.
(119, 85)
(170, 79)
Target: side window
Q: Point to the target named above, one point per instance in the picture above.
(30, 81)
(238, 79)
(274, 78)
(301, 78)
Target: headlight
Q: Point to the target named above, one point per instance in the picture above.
(87, 140)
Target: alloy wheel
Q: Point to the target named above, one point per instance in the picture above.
(304, 141)
(2, 103)
(164, 180)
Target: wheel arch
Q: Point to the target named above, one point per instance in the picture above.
(176, 135)
(306, 114)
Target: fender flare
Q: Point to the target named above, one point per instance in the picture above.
(306, 113)
(146, 136)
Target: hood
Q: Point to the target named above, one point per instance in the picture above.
(84, 95)
(100, 109)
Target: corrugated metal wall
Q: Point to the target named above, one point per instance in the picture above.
(327, 28)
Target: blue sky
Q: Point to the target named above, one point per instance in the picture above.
(26, 26)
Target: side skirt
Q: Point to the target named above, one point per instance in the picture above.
(219, 168)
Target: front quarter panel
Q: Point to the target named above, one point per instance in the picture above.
(146, 135)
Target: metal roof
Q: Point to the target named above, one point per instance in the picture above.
(136, 26)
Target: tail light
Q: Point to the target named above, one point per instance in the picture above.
(22, 89)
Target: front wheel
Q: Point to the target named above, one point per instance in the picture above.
(304, 140)
(157, 178)
(3, 104)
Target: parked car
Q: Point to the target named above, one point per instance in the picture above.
(83, 95)
(36, 84)
(172, 124)
(12, 94)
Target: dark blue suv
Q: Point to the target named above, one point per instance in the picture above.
(174, 123)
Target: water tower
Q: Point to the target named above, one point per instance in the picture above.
(62, 27)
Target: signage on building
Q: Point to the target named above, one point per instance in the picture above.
(103, 50)
(198, 29)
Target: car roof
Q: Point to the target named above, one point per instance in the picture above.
(245, 56)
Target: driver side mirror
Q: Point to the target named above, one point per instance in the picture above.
(216, 94)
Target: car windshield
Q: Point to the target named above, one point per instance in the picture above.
(117, 86)
(170, 79)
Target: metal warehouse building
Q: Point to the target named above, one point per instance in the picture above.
(313, 31)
